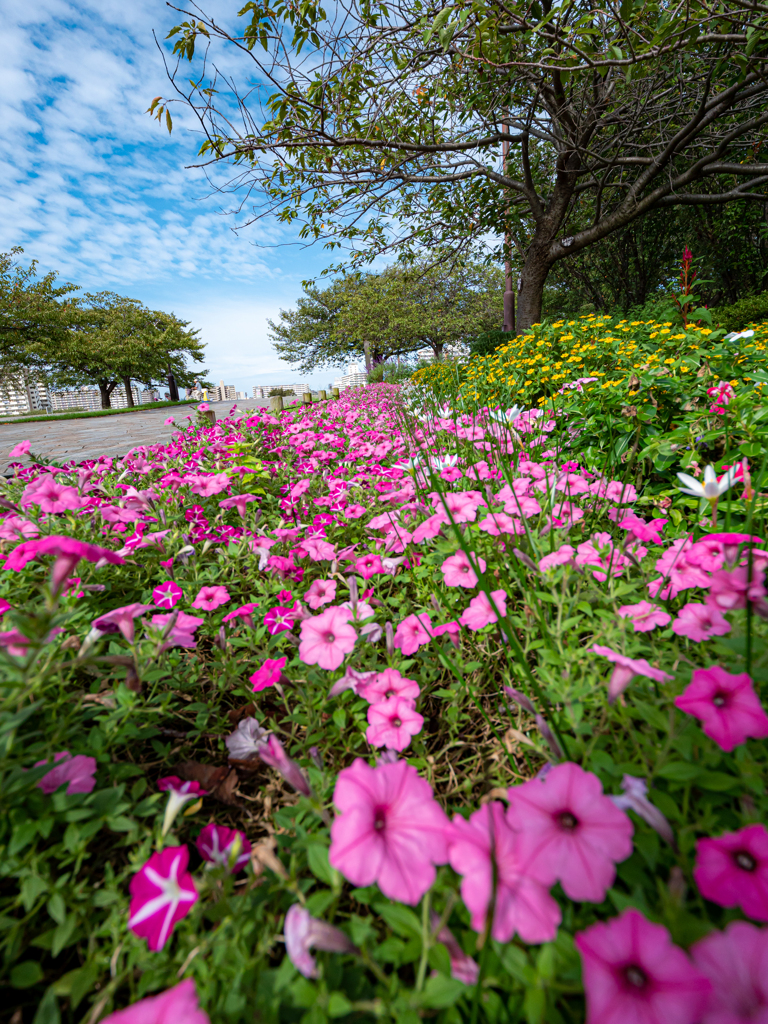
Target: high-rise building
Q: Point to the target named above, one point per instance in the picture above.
(89, 399)
(353, 378)
(23, 397)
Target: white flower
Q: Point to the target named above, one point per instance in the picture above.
(507, 416)
(735, 337)
(446, 462)
(711, 488)
(247, 739)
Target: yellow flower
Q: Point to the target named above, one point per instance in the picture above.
(669, 362)
(654, 334)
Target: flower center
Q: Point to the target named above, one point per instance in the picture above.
(720, 700)
(567, 820)
(635, 977)
(329, 638)
(745, 860)
(379, 819)
(396, 722)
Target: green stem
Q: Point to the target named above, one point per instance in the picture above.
(425, 942)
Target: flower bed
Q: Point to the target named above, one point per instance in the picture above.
(355, 712)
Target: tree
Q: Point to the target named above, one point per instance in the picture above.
(423, 125)
(392, 313)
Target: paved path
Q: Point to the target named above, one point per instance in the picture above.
(60, 440)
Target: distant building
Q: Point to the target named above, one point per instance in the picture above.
(353, 378)
(89, 399)
(264, 391)
(149, 395)
(24, 398)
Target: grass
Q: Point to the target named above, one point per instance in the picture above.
(96, 412)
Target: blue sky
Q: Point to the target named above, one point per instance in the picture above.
(92, 187)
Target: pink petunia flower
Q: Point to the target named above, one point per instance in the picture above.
(736, 963)
(78, 771)
(700, 622)
(392, 723)
(67, 551)
(633, 973)
(19, 449)
(570, 831)
(162, 893)
(726, 704)
(181, 632)
(179, 793)
(626, 669)
(523, 904)
(122, 620)
(273, 753)
(390, 830)
(244, 612)
(176, 1005)
(457, 570)
(498, 523)
(167, 594)
(210, 598)
(735, 588)
(327, 638)
(279, 619)
(224, 847)
(268, 674)
(321, 592)
(463, 967)
(642, 530)
(208, 484)
(562, 556)
(52, 497)
(413, 632)
(238, 501)
(304, 932)
(645, 616)
(368, 565)
(732, 870)
(389, 683)
(481, 612)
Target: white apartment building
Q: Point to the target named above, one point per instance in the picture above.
(263, 391)
(23, 399)
(89, 399)
(353, 378)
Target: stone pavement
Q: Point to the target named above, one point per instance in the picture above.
(60, 440)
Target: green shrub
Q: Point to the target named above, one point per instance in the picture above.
(746, 311)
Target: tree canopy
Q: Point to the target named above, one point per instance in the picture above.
(388, 314)
(419, 125)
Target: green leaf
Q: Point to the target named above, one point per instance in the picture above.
(679, 771)
(48, 1010)
(338, 1005)
(440, 992)
(317, 857)
(750, 448)
(718, 782)
(57, 908)
(400, 919)
(26, 974)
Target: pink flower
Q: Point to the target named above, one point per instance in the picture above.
(463, 967)
(726, 704)
(122, 619)
(413, 632)
(386, 684)
(79, 771)
(700, 622)
(68, 552)
(570, 831)
(731, 589)
(736, 963)
(303, 932)
(642, 530)
(167, 594)
(52, 497)
(177, 1005)
(392, 723)
(319, 550)
(244, 612)
(238, 501)
(635, 798)
(321, 592)
(633, 973)
(210, 598)
(732, 870)
(278, 620)
(645, 616)
(19, 449)
(391, 830)
(458, 572)
(272, 752)
(626, 669)
(181, 633)
(481, 612)
(562, 556)
(368, 565)
(269, 674)
(523, 904)
(327, 638)
(208, 484)
(353, 511)
(498, 523)
(225, 847)
(179, 793)
(168, 421)
(162, 893)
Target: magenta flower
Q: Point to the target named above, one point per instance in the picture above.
(179, 793)
(481, 612)
(177, 1005)
(52, 497)
(167, 594)
(562, 556)
(210, 598)
(732, 870)
(733, 589)
(19, 449)
(238, 501)
(569, 831)
(523, 904)
(413, 632)
(392, 723)
(162, 893)
(383, 685)
(79, 771)
(272, 752)
(736, 963)
(633, 973)
(181, 632)
(270, 673)
(700, 622)
(463, 967)
(208, 484)
(279, 619)
(122, 620)
(224, 847)
(498, 523)
(244, 612)
(458, 572)
(367, 566)
(321, 592)
(304, 932)
(645, 616)
(626, 669)
(68, 553)
(391, 830)
(327, 638)
(642, 530)
(727, 705)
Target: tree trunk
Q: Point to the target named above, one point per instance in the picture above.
(532, 279)
(173, 391)
(128, 392)
(106, 391)
(368, 360)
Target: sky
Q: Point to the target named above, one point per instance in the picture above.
(94, 188)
